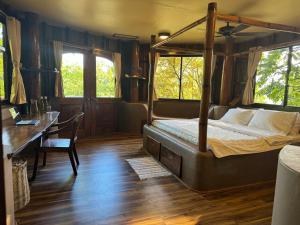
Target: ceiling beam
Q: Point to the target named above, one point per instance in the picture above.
(181, 31)
(258, 23)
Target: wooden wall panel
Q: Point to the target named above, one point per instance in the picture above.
(105, 117)
(69, 107)
(240, 76)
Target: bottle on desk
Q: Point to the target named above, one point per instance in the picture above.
(47, 107)
(41, 104)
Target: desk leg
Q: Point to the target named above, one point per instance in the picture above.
(36, 163)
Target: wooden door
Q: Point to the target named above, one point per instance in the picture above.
(103, 104)
(100, 109)
(76, 92)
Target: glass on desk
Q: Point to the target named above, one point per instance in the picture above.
(34, 109)
(48, 108)
(49, 116)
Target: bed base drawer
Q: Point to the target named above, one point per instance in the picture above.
(171, 160)
(153, 147)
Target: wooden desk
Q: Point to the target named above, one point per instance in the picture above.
(16, 138)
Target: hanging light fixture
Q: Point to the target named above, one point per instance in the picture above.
(163, 35)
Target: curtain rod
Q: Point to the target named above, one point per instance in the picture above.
(94, 49)
(76, 46)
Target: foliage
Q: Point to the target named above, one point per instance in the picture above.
(294, 79)
(271, 78)
(192, 74)
(168, 76)
(105, 78)
(72, 74)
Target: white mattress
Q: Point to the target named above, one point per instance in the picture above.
(226, 139)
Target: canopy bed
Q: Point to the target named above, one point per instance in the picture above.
(211, 154)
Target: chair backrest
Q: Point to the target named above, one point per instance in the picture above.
(75, 126)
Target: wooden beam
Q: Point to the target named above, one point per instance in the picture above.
(208, 57)
(185, 50)
(180, 50)
(258, 23)
(31, 56)
(181, 31)
(271, 47)
(227, 84)
(151, 81)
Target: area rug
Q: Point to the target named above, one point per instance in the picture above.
(147, 167)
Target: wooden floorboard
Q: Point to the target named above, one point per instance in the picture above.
(107, 191)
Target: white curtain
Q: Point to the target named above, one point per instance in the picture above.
(18, 95)
(58, 49)
(253, 60)
(117, 67)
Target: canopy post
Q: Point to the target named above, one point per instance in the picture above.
(151, 81)
(208, 57)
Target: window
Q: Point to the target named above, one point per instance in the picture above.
(2, 62)
(278, 77)
(294, 78)
(179, 77)
(105, 78)
(72, 74)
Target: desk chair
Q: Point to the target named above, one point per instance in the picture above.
(62, 144)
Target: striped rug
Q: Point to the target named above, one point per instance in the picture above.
(147, 167)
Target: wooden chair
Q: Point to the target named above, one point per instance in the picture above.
(62, 144)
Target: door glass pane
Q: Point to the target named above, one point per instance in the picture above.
(167, 77)
(105, 78)
(270, 77)
(294, 79)
(192, 74)
(72, 74)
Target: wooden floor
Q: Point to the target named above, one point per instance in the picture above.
(107, 191)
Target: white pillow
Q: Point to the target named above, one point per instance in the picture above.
(273, 120)
(237, 116)
(296, 128)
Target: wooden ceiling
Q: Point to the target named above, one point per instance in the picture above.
(145, 17)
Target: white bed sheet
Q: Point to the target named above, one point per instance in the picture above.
(226, 139)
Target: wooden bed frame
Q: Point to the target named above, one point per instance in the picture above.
(194, 164)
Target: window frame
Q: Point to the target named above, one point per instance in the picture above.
(285, 98)
(180, 81)
(7, 65)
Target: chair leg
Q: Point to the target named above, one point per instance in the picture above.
(75, 155)
(45, 159)
(72, 161)
(36, 163)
